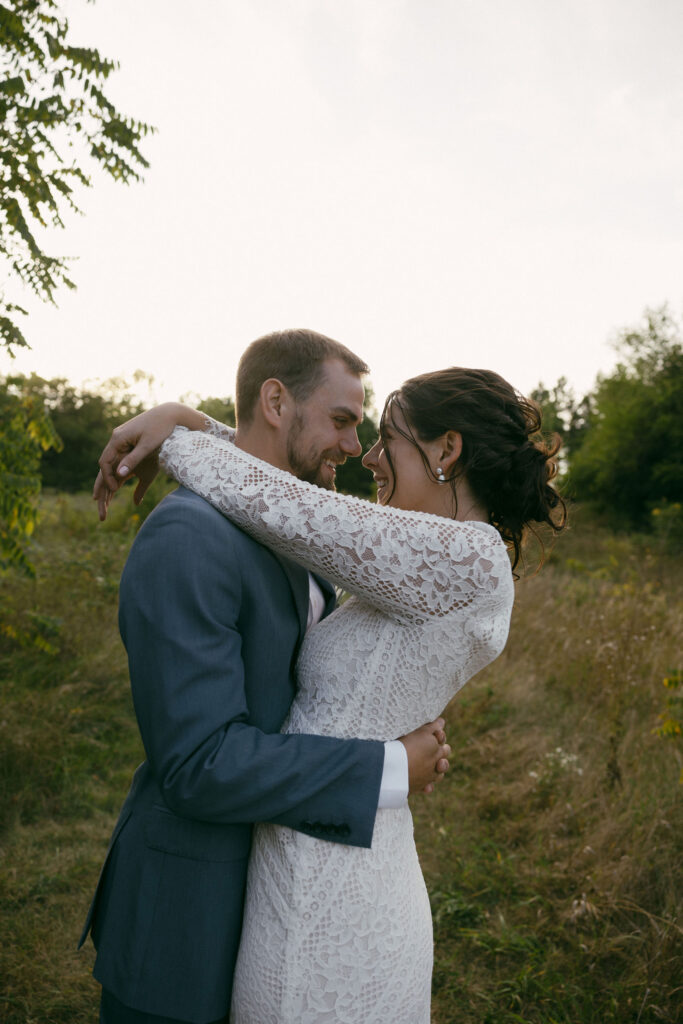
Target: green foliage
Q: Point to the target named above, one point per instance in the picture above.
(630, 459)
(352, 478)
(26, 432)
(50, 98)
(221, 409)
(667, 525)
(564, 414)
(623, 441)
(83, 419)
(671, 718)
(125, 517)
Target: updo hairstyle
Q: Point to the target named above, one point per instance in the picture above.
(506, 462)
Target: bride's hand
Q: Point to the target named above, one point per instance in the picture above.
(428, 755)
(133, 448)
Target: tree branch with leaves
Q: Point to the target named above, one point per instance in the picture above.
(52, 106)
(51, 96)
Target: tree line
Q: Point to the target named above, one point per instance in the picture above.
(622, 442)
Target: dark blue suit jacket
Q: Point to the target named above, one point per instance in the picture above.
(212, 623)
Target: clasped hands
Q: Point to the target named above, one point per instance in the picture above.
(428, 755)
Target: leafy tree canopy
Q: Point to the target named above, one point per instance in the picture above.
(563, 413)
(630, 458)
(26, 431)
(51, 96)
(52, 106)
(83, 419)
(221, 409)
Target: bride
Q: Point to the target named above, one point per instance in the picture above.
(336, 933)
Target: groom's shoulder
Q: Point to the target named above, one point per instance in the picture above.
(183, 504)
(184, 513)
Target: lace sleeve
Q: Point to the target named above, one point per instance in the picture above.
(218, 429)
(402, 562)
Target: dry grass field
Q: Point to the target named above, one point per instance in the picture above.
(552, 851)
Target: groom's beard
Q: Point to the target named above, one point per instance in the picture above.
(307, 462)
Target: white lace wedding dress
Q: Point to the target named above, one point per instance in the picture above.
(336, 933)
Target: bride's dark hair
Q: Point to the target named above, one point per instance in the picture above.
(506, 462)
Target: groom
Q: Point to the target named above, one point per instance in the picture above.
(212, 623)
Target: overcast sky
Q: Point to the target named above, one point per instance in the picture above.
(492, 183)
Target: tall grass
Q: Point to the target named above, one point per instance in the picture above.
(68, 744)
(552, 851)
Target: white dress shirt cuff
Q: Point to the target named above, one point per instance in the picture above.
(394, 788)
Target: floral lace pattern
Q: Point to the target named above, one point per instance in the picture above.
(334, 933)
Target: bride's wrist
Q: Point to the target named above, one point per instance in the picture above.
(185, 416)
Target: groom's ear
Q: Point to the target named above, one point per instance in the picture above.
(275, 402)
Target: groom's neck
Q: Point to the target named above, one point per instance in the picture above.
(264, 445)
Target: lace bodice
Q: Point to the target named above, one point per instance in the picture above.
(412, 565)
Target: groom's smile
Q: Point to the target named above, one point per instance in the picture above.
(307, 461)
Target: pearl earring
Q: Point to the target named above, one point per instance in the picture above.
(439, 475)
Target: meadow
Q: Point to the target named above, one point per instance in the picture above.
(552, 851)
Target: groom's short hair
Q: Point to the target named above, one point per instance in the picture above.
(295, 357)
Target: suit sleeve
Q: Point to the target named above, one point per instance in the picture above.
(179, 617)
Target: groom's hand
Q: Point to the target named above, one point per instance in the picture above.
(428, 755)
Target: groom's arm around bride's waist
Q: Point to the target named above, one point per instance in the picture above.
(210, 627)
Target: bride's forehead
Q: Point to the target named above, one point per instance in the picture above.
(393, 416)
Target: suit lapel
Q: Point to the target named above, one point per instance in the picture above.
(297, 577)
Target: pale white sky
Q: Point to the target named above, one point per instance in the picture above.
(491, 183)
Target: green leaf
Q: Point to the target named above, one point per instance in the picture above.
(13, 86)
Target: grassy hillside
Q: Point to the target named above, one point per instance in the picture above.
(552, 851)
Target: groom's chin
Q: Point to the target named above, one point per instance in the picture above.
(321, 477)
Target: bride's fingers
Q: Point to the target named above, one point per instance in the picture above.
(103, 501)
(437, 727)
(99, 487)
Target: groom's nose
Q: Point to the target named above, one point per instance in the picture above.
(349, 443)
